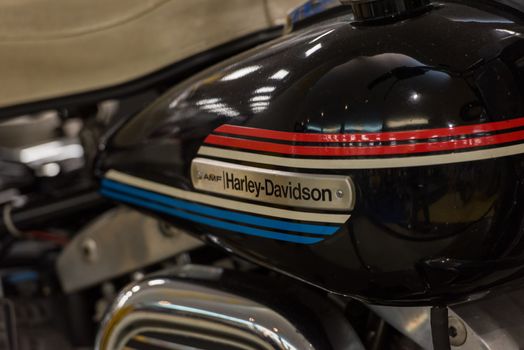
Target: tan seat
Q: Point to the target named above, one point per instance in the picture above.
(51, 48)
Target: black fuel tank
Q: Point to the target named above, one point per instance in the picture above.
(380, 160)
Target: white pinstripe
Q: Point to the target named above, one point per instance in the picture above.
(369, 163)
(224, 203)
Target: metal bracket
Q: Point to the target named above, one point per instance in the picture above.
(118, 242)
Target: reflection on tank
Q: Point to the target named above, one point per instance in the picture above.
(425, 115)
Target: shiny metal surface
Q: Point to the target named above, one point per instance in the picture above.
(53, 151)
(50, 158)
(188, 312)
(413, 322)
(33, 140)
(272, 186)
(118, 242)
(492, 323)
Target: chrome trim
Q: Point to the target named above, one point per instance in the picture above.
(334, 192)
(213, 316)
(52, 151)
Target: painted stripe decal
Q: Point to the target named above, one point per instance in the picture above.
(219, 213)
(363, 163)
(349, 151)
(371, 137)
(225, 203)
(211, 222)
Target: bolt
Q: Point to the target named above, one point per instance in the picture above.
(167, 229)
(137, 276)
(89, 250)
(340, 194)
(457, 331)
(453, 332)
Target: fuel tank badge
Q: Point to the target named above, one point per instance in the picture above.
(312, 191)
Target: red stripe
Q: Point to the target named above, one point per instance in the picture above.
(370, 137)
(367, 150)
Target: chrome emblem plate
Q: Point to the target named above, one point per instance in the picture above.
(314, 191)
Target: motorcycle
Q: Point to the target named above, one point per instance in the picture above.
(352, 179)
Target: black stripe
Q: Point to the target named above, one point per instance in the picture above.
(388, 156)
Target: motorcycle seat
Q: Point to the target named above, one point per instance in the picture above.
(62, 47)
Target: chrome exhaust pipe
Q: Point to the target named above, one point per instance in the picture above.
(209, 308)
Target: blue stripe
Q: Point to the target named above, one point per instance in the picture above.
(210, 222)
(222, 214)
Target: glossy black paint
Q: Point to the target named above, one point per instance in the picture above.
(433, 234)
